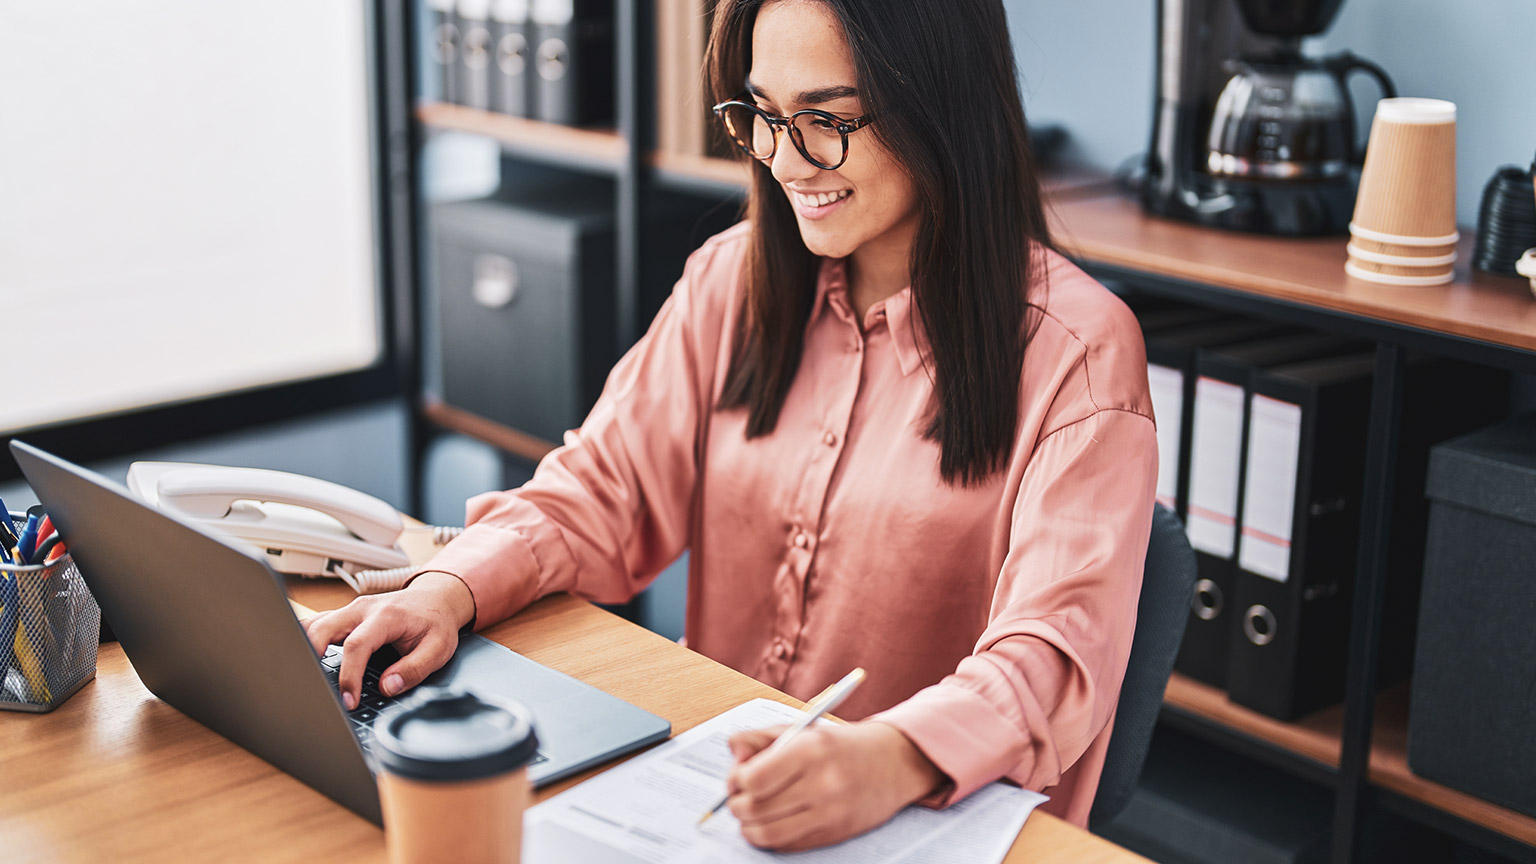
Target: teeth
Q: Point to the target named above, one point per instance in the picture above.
(822, 199)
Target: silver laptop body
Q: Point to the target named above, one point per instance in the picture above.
(209, 630)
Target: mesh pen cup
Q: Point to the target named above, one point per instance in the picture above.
(49, 630)
(453, 777)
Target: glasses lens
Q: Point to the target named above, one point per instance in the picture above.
(749, 130)
(820, 139)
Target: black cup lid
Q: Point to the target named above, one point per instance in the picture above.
(443, 733)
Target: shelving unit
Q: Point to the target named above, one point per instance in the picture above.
(1357, 749)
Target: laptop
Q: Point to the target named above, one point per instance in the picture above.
(208, 628)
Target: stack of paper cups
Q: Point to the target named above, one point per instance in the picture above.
(1404, 229)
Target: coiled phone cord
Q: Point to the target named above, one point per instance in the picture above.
(380, 581)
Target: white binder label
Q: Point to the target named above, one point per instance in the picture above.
(1167, 386)
(1269, 499)
(1215, 457)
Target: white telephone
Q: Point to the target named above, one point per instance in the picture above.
(304, 525)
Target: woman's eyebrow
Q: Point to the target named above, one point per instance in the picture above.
(818, 96)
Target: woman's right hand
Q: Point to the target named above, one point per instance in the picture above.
(422, 622)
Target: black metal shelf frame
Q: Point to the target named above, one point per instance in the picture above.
(1451, 824)
(1250, 746)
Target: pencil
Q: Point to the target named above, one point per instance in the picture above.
(823, 702)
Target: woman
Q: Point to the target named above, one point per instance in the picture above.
(894, 429)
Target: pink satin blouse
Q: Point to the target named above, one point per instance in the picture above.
(994, 620)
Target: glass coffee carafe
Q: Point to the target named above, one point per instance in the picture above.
(1288, 118)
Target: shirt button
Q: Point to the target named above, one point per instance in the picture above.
(780, 650)
(829, 439)
(801, 540)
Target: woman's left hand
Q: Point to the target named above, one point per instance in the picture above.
(827, 784)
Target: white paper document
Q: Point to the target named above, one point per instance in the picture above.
(647, 811)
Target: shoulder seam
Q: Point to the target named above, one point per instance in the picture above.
(1096, 412)
(1087, 371)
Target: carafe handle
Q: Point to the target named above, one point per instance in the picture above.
(1341, 65)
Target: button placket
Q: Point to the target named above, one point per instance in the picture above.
(804, 522)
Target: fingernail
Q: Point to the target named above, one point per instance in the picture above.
(392, 684)
(349, 700)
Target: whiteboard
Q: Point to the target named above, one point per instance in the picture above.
(188, 202)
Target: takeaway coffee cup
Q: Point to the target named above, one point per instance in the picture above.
(1408, 183)
(1404, 226)
(453, 777)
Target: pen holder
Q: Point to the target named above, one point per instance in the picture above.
(49, 629)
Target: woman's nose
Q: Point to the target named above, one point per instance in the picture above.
(789, 164)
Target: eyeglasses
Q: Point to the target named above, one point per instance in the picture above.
(820, 137)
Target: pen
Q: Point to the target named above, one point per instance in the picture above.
(823, 702)
(27, 539)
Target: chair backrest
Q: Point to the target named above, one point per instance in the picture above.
(1167, 584)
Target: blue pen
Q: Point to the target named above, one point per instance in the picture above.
(28, 538)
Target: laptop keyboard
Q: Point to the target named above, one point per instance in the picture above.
(372, 702)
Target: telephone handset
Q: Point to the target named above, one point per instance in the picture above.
(304, 525)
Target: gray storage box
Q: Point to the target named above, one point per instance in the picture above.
(526, 295)
(1472, 719)
(526, 301)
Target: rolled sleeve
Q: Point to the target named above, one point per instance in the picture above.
(1045, 676)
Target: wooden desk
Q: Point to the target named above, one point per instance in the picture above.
(116, 774)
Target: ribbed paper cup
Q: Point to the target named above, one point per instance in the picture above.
(1365, 248)
(1408, 183)
(1391, 274)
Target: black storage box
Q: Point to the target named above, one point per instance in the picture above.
(1473, 709)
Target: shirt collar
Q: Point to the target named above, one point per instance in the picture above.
(907, 337)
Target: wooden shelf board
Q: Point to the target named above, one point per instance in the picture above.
(1112, 229)
(704, 171)
(1316, 736)
(557, 144)
(483, 429)
(1389, 770)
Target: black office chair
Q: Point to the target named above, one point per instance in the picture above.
(1166, 586)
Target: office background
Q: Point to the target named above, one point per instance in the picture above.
(1085, 66)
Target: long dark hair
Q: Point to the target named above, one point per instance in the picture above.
(940, 78)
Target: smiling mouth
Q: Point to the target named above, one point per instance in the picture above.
(823, 199)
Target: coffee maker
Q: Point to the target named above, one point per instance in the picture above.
(1249, 133)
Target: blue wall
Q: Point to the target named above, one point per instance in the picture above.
(1088, 65)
